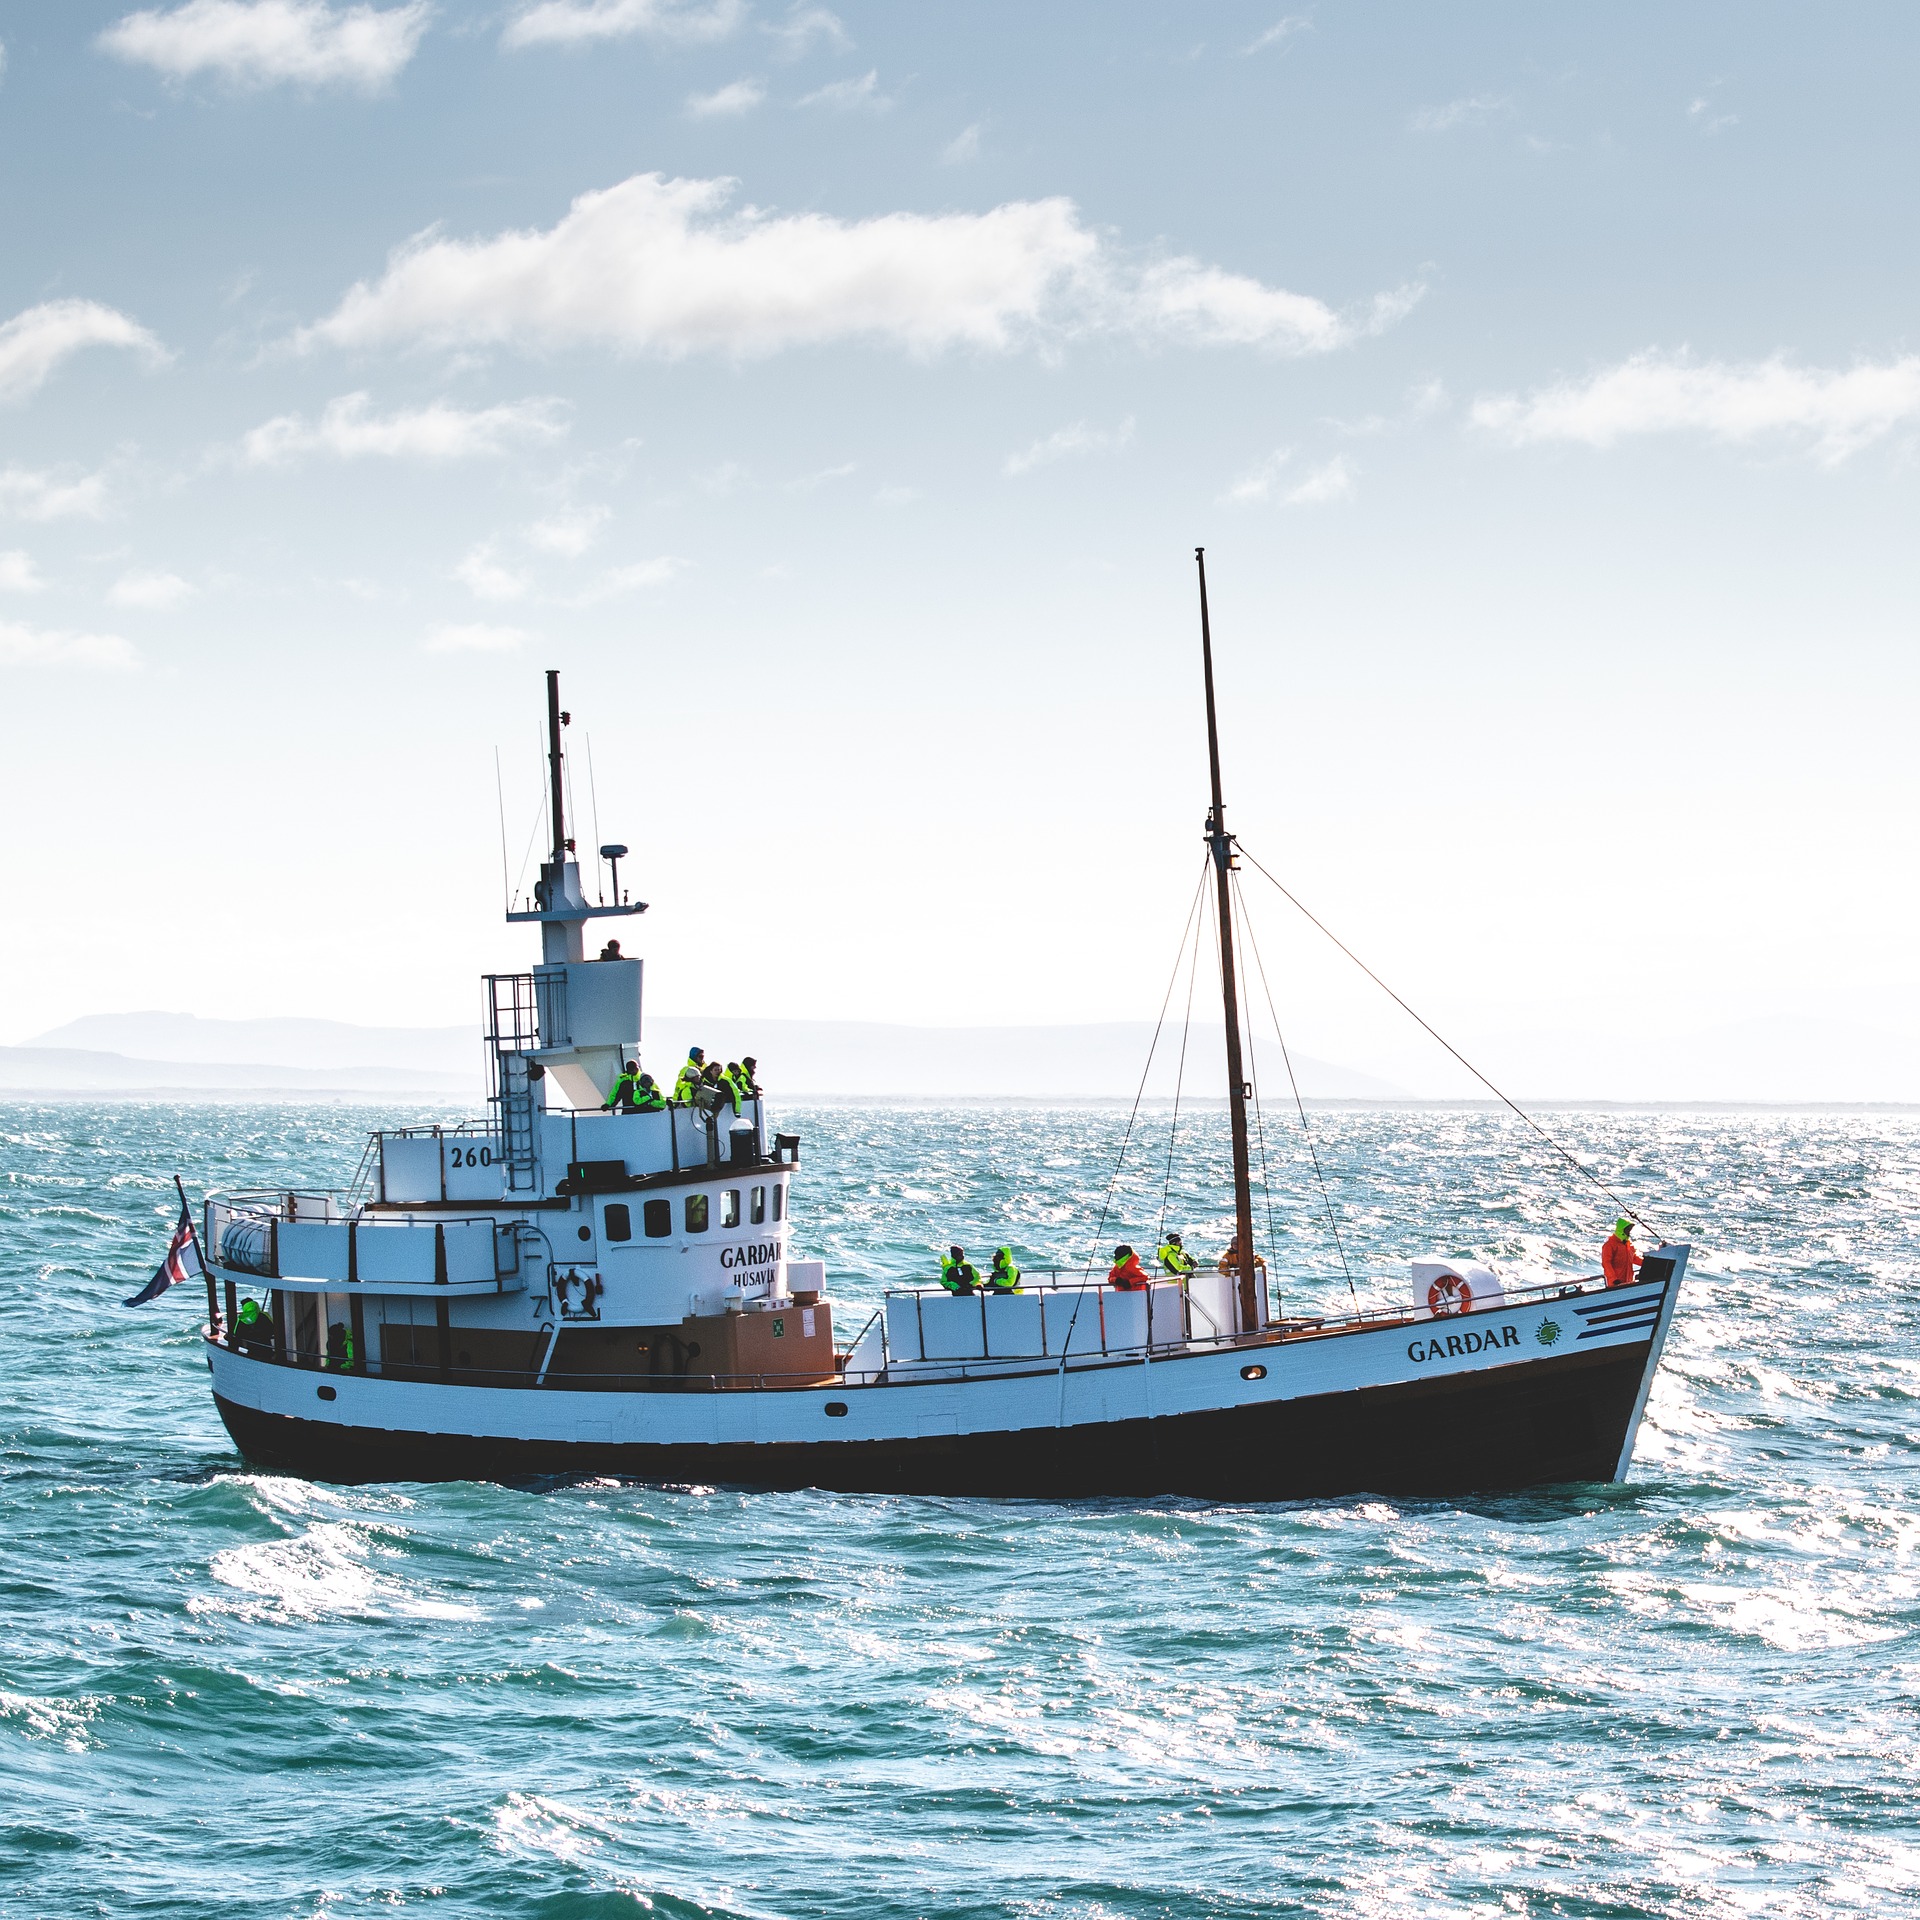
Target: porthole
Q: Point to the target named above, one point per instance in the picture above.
(585, 1233)
(1253, 1373)
(836, 1409)
(332, 1393)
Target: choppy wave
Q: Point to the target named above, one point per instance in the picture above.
(227, 1693)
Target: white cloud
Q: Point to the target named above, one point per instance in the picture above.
(33, 343)
(1334, 481)
(152, 591)
(1459, 113)
(3, 60)
(820, 477)
(850, 96)
(892, 496)
(663, 267)
(349, 429)
(18, 573)
(1068, 442)
(1701, 112)
(1277, 35)
(730, 101)
(806, 27)
(1831, 413)
(43, 495)
(1257, 483)
(629, 579)
(570, 533)
(1207, 306)
(964, 146)
(258, 42)
(44, 647)
(475, 639)
(573, 23)
(486, 579)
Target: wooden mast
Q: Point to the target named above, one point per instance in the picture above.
(1252, 1305)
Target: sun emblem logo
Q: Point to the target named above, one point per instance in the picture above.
(1547, 1332)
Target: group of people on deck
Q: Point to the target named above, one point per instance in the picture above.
(637, 1092)
(958, 1274)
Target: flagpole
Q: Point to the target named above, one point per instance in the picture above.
(200, 1254)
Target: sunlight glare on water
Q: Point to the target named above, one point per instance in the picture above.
(231, 1694)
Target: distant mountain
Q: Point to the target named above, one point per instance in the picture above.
(186, 1037)
(79, 1070)
(798, 1058)
(845, 1058)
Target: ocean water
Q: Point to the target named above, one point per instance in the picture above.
(229, 1694)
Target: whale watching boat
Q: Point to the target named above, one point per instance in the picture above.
(565, 1287)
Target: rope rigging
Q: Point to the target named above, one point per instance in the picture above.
(1120, 1159)
(1300, 1106)
(1585, 1172)
(1179, 1082)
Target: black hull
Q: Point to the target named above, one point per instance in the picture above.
(1541, 1423)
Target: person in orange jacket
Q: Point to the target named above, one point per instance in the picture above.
(1618, 1258)
(1126, 1272)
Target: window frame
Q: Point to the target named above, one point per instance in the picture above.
(660, 1210)
(617, 1221)
(729, 1207)
(697, 1213)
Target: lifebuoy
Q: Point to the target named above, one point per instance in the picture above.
(1450, 1294)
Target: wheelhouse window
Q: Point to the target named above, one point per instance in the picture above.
(619, 1221)
(730, 1207)
(657, 1217)
(696, 1213)
(780, 1200)
(757, 1207)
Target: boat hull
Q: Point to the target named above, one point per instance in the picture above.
(1498, 1416)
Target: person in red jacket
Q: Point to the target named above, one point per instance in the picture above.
(1618, 1258)
(1126, 1272)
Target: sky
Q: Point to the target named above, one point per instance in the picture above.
(836, 397)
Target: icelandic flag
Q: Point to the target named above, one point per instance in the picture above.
(174, 1268)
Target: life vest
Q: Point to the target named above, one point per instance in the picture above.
(957, 1276)
(1129, 1276)
(1176, 1259)
(1003, 1276)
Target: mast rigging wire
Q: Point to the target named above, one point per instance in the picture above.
(593, 794)
(1300, 1106)
(1179, 1084)
(1586, 1173)
(500, 796)
(1120, 1159)
(1241, 932)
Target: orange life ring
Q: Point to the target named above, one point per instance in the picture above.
(1449, 1294)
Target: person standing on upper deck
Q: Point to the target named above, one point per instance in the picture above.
(690, 1075)
(1127, 1273)
(1175, 1259)
(957, 1273)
